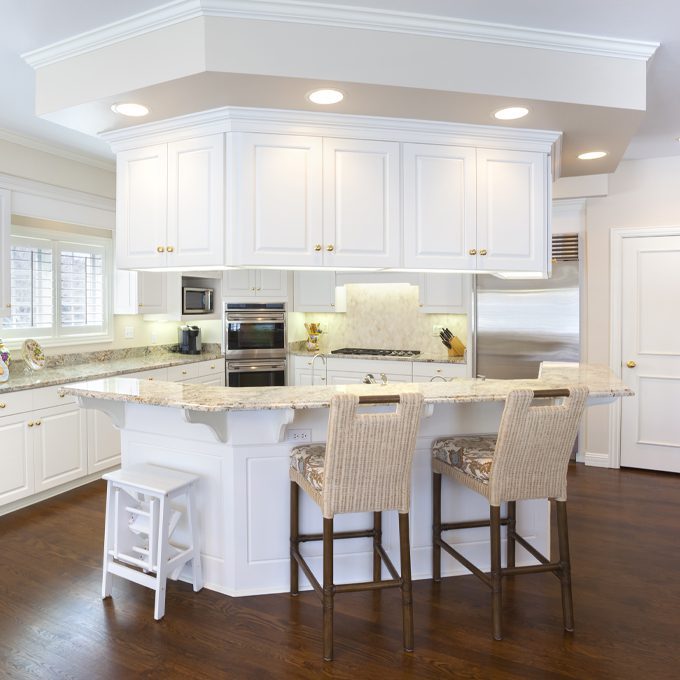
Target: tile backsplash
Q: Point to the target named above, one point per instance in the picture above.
(381, 316)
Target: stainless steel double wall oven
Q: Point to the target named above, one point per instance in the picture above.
(255, 343)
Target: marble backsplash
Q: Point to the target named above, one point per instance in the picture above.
(382, 316)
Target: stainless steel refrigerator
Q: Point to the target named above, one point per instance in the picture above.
(519, 323)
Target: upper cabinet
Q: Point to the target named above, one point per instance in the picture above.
(248, 283)
(445, 293)
(5, 295)
(170, 205)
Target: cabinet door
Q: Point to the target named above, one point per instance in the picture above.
(59, 446)
(214, 380)
(306, 377)
(272, 284)
(278, 199)
(141, 207)
(361, 203)
(439, 206)
(152, 292)
(444, 293)
(314, 291)
(103, 442)
(512, 214)
(196, 202)
(16, 459)
(5, 219)
(239, 283)
(125, 292)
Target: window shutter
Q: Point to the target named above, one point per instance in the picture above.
(81, 283)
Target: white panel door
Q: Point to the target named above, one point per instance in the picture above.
(314, 291)
(141, 207)
(439, 206)
(239, 283)
(361, 203)
(272, 284)
(512, 215)
(152, 292)
(103, 442)
(16, 459)
(5, 219)
(60, 446)
(196, 202)
(445, 293)
(650, 331)
(278, 206)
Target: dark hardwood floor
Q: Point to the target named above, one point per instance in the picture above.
(625, 539)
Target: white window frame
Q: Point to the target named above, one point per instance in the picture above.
(56, 335)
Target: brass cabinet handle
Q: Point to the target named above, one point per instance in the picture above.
(160, 249)
(31, 423)
(482, 251)
(631, 364)
(2, 404)
(317, 247)
(472, 251)
(330, 248)
(170, 249)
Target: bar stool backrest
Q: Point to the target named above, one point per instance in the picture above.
(368, 456)
(534, 445)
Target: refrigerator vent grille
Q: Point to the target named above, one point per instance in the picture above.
(565, 247)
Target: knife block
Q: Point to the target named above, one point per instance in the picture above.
(457, 347)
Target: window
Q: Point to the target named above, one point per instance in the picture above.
(59, 286)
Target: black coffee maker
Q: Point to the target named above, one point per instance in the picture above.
(189, 339)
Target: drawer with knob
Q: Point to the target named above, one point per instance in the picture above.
(214, 367)
(12, 403)
(183, 372)
(46, 397)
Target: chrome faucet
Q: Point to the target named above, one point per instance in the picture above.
(369, 379)
(314, 358)
(383, 378)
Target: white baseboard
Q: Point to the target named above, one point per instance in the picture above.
(596, 459)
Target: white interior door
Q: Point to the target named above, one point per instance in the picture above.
(650, 346)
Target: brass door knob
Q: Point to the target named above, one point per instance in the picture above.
(160, 249)
(472, 251)
(631, 364)
(330, 248)
(170, 249)
(317, 247)
(482, 251)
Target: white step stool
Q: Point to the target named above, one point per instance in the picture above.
(140, 521)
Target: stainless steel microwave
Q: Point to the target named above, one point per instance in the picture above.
(197, 301)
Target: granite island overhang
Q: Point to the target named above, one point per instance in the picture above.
(236, 440)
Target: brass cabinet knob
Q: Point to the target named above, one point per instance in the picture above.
(258, 288)
(170, 249)
(253, 288)
(184, 372)
(149, 378)
(8, 305)
(61, 396)
(439, 370)
(38, 422)
(330, 248)
(2, 404)
(332, 304)
(472, 251)
(631, 364)
(317, 247)
(213, 366)
(31, 423)
(482, 251)
(160, 249)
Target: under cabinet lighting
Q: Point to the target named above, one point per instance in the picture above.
(325, 96)
(130, 109)
(592, 155)
(511, 113)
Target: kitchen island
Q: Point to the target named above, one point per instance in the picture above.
(238, 441)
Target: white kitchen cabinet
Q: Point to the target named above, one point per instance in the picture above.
(349, 371)
(424, 371)
(439, 202)
(5, 219)
(315, 291)
(512, 210)
(276, 199)
(170, 205)
(103, 442)
(307, 371)
(445, 293)
(140, 292)
(17, 479)
(271, 284)
(361, 197)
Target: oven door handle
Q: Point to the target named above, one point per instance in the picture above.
(249, 367)
(238, 318)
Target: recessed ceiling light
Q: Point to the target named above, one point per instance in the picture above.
(592, 155)
(130, 109)
(325, 96)
(511, 113)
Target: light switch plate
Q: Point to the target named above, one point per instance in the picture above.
(129, 332)
(436, 330)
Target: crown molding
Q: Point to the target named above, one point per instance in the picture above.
(342, 16)
(56, 150)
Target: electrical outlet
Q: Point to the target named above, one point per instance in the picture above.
(129, 332)
(299, 435)
(436, 330)
(154, 338)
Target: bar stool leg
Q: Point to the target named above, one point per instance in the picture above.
(496, 588)
(328, 589)
(294, 534)
(377, 540)
(565, 566)
(436, 526)
(196, 566)
(406, 590)
(163, 554)
(107, 576)
(512, 522)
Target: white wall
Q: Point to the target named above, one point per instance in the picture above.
(643, 193)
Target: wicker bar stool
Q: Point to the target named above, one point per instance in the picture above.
(365, 466)
(527, 459)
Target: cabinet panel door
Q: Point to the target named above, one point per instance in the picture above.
(314, 291)
(103, 442)
(239, 283)
(445, 293)
(272, 284)
(278, 198)
(152, 292)
(361, 203)
(60, 446)
(5, 294)
(141, 207)
(196, 202)
(512, 215)
(16, 459)
(439, 206)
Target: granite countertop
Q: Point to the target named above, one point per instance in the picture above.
(601, 381)
(59, 375)
(424, 357)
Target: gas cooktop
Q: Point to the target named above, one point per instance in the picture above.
(358, 351)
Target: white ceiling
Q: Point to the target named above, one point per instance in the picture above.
(28, 25)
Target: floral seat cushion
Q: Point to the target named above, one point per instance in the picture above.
(472, 455)
(309, 462)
